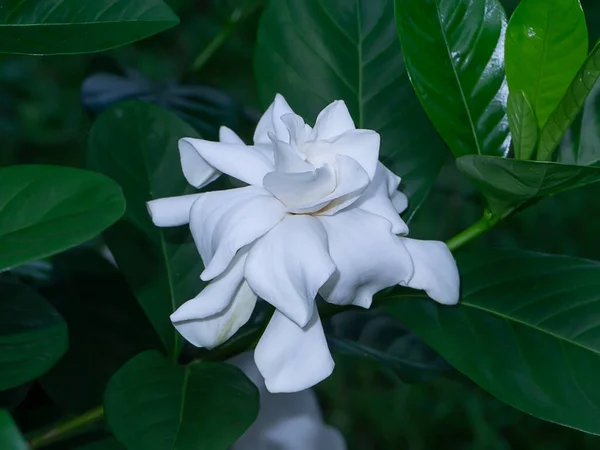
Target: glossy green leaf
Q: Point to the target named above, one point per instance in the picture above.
(33, 336)
(453, 52)
(10, 436)
(526, 329)
(47, 209)
(153, 404)
(571, 104)
(523, 125)
(508, 184)
(546, 44)
(135, 143)
(317, 51)
(107, 327)
(581, 144)
(377, 336)
(60, 27)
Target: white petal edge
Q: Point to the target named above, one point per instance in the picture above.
(435, 270)
(228, 136)
(360, 145)
(333, 121)
(271, 122)
(287, 159)
(400, 202)
(237, 160)
(368, 257)
(171, 211)
(264, 127)
(376, 199)
(291, 358)
(288, 266)
(222, 307)
(302, 192)
(222, 222)
(196, 170)
(352, 182)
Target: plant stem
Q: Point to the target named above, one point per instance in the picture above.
(478, 228)
(62, 430)
(235, 18)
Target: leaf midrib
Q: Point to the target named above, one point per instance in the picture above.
(163, 249)
(510, 319)
(456, 77)
(184, 385)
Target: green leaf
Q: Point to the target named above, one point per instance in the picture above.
(526, 329)
(153, 404)
(508, 184)
(377, 336)
(546, 44)
(47, 209)
(10, 436)
(136, 144)
(453, 52)
(107, 327)
(33, 336)
(571, 104)
(523, 125)
(61, 27)
(317, 51)
(581, 144)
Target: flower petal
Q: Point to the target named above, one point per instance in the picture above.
(376, 199)
(196, 170)
(400, 202)
(171, 211)
(334, 120)
(368, 257)
(264, 127)
(222, 307)
(228, 136)
(360, 145)
(287, 159)
(271, 122)
(302, 191)
(288, 265)
(281, 108)
(291, 358)
(435, 270)
(352, 180)
(299, 132)
(222, 222)
(237, 160)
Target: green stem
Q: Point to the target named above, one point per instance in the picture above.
(235, 18)
(62, 430)
(478, 228)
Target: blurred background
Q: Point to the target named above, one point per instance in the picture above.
(47, 105)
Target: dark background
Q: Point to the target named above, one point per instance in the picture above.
(43, 120)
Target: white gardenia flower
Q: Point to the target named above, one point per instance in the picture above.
(320, 215)
(285, 421)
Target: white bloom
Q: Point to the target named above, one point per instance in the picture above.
(320, 214)
(285, 421)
